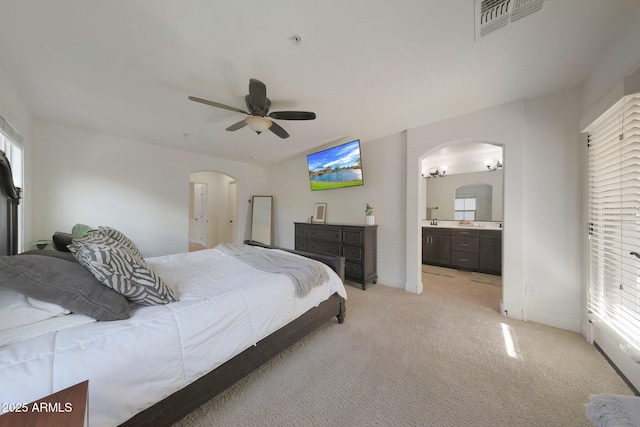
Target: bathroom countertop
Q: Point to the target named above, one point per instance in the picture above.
(455, 224)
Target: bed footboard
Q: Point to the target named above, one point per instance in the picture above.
(182, 402)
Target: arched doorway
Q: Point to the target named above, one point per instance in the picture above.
(463, 182)
(212, 209)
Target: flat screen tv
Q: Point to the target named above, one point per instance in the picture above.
(336, 167)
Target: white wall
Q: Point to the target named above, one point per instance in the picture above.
(383, 162)
(139, 188)
(553, 204)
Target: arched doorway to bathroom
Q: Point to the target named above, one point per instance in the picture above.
(462, 193)
(213, 209)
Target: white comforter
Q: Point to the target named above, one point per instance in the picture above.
(225, 307)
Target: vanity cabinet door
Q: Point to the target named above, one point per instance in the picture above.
(491, 252)
(436, 246)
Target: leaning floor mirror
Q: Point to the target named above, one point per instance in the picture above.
(262, 219)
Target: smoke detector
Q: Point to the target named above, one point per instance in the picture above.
(491, 15)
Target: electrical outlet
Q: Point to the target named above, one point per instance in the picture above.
(530, 288)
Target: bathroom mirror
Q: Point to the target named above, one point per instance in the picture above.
(262, 219)
(485, 187)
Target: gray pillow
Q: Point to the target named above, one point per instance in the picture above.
(61, 282)
(122, 271)
(61, 240)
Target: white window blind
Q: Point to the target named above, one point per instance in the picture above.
(614, 219)
(11, 144)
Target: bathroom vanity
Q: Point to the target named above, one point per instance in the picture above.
(467, 248)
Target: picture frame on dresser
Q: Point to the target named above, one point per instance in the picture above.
(320, 213)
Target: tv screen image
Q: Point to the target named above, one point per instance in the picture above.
(336, 167)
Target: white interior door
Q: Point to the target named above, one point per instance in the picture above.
(198, 225)
(233, 211)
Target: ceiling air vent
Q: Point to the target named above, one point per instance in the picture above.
(494, 14)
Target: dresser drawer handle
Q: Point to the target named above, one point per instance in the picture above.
(464, 244)
(464, 260)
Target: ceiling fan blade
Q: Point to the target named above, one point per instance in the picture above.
(237, 126)
(293, 115)
(277, 129)
(258, 95)
(217, 104)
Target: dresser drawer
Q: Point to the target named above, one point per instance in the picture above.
(463, 232)
(302, 245)
(353, 236)
(353, 271)
(353, 253)
(465, 244)
(465, 259)
(324, 248)
(302, 232)
(328, 234)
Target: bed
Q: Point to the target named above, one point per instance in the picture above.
(165, 360)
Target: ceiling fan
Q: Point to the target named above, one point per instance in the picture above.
(258, 105)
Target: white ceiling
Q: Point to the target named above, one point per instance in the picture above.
(367, 68)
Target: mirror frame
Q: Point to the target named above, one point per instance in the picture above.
(258, 223)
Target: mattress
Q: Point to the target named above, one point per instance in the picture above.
(225, 307)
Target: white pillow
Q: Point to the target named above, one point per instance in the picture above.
(18, 310)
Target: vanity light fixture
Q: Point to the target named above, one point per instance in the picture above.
(436, 173)
(493, 165)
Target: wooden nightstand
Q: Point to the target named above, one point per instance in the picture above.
(66, 408)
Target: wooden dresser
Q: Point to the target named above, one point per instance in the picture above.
(356, 243)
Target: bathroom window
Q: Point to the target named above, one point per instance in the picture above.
(465, 209)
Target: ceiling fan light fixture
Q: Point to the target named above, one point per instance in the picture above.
(258, 124)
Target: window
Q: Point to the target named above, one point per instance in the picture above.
(465, 209)
(11, 144)
(614, 219)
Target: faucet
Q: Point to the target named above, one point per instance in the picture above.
(434, 221)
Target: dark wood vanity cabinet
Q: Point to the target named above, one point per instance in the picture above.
(436, 246)
(491, 251)
(356, 243)
(467, 249)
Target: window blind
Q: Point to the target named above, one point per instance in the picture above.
(11, 144)
(614, 219)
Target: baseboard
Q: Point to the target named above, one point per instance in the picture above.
(615, 368)
(555, 321)
(388, 281)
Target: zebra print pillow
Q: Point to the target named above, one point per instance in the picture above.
(119, 237)
(122, 271)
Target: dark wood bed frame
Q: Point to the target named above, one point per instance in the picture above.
(179, 404)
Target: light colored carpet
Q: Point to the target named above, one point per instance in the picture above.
(440, 271)
(486, 278)
(435, 359)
